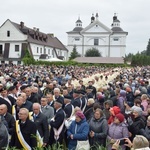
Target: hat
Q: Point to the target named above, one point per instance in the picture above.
(80, 114)
(120, 117)
(59, 100)
(122, 93)
(11, 88)
(128, 89)
(76, 91)
(82, 92)
(114, 110)
(137, 109)
(3, 89)
(23, 87)
(67, 97)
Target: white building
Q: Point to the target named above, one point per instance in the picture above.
(110, 42)
(16, 38)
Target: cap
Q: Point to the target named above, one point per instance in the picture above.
(76, 91)
(11, 88)
(59, 101)
(3, 89)
(67, 97)
(23, 87)
(82, 92)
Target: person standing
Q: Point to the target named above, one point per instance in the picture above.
(42, 124)
(8, 117)
(46, 109)
(4, 138)
(98, 129)
(24, 136)
(57, 124)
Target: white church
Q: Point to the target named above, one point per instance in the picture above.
(111, 42)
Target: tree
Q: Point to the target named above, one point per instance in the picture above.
(148, 48)
(28, 59)
(93, 52)
(74, 53)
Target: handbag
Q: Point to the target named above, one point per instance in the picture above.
(83, 145)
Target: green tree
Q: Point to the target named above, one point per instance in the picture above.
(74, 53)
(148, 48)
(93, 52)
(28, 59)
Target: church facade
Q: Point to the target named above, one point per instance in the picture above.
(111, 42)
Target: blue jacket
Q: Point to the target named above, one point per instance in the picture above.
(80, 132)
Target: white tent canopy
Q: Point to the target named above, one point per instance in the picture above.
(51, 59)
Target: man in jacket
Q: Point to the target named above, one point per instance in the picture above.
(57, 123)
(3, 136)
(8, 117)
(46, 109)
(24, 135)
(41, 123)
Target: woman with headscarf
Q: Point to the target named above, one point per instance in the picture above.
(117, 130)
(113, 111)
(78, 131)
(98, 129)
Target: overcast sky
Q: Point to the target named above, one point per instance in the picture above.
(59, 16)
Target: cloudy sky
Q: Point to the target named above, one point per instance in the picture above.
(59, 16)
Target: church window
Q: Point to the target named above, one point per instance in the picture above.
(96, 42)
(40, 50)
(96, 25)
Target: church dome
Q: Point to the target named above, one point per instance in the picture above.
(116, 29)
(78, 29)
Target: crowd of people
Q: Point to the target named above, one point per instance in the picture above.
(77, 107)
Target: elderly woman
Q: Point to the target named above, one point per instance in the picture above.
(78, 131)
(139, 122)
(89, 108)
(117, 130)
(98, 129)
(139, 143)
